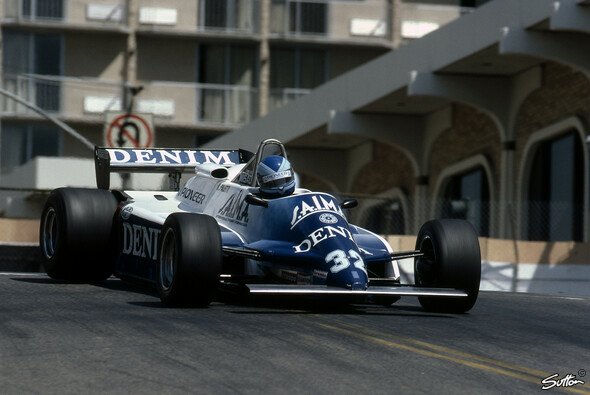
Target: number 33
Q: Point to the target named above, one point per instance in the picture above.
(341, 260)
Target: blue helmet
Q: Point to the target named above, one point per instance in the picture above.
(275, 177)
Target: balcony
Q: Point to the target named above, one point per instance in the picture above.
(336, 20)
(207, 17)
(86, 14)
(182, 104)
(196, 103)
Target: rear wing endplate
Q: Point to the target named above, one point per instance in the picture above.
(159, 160)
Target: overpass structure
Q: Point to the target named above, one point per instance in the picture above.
(513, 73)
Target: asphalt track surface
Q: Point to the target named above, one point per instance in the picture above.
(116, 338)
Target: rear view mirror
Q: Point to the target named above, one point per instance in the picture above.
(349, 203)
(256, 201)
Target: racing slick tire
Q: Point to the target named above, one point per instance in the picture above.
(75, 234)
(190, 260)
(451, 260)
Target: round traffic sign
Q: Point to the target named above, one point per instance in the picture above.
(129, 130)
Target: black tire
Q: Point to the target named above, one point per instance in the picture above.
(75, 234)
(189, 261)
(452, 260)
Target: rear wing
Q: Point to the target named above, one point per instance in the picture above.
(173, 161)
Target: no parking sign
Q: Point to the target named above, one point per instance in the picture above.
(129, 130)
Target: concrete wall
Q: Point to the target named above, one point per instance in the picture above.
(94, 55)
(165, 59)
(522, 266)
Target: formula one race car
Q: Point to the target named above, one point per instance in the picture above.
(221, 231)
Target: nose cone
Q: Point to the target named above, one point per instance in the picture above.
(354, 279)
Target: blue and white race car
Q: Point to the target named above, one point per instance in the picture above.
(220, 230)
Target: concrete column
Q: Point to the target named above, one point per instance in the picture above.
(506, 204)
(395, 22)
(421, 203)
(264, 58)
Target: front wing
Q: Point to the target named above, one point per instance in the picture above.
(398, 290)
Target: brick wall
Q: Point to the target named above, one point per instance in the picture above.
(565, 93)
(473, 132)
(389, 168)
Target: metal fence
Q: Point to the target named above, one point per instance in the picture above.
(91, 97)
(532, 220)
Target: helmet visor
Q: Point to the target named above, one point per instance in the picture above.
(277, 179)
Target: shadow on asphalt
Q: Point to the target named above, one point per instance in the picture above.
(316, 308)
(259, 305)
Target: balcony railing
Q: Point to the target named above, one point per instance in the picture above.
(199, 103)
(280, 97)
(170, 102)
(91, 13)
(331, 19)
(44, 93)
(203, 16)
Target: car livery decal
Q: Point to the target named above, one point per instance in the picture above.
(314, 204)
(120, 157)
(141, 241)
(235, 209)
(321, 234)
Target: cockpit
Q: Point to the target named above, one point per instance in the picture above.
(247, 176)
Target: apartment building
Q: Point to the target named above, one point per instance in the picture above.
(197, 68)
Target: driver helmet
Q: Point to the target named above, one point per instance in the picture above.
(275, 177)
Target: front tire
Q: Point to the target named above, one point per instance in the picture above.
(451, 260)
(190, 260)
(75, 234)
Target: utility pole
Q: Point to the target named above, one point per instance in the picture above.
(264, 54)
(129, 72)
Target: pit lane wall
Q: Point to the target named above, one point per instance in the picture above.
(561, 268)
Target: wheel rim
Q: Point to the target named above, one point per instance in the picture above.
(167, 260)
(425, 265)
(50, 233)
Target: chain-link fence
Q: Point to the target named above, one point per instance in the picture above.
(532, 220)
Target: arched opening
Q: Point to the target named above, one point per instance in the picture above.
(467, 196)
(555, 203)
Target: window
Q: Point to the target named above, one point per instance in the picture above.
(27, 60)
(467, 196)
(43, 9)
(299, 17)
(307, 17)
(228, 75)
(555, 191)
(20, 143)
(227, 14)
(294, 72)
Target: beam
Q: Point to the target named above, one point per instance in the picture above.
(571, 16)
(336, 168)
(569, 48)
(498, 97)
(413, 134)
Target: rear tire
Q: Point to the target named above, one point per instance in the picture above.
(451, 260)
(75, 234)
(190, 260)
